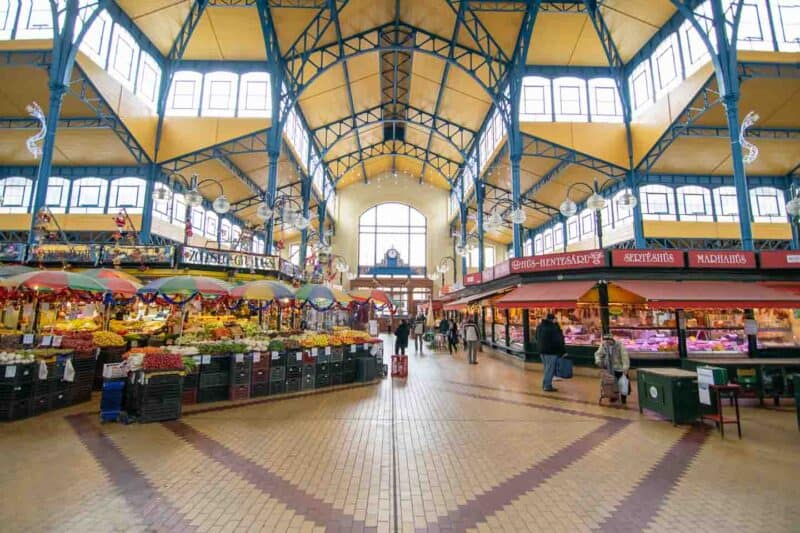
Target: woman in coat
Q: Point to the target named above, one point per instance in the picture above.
(401, 337)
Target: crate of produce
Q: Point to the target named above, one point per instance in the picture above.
(277, 373)
(16, 392)
(60, 399)
(17, 373)
(260, 375)
(213, 394)
(163, 409)
(309, 370)
(191, 381)
(15, 409)
(281, 358)
(10, 340)
(216, 379)
(324, 355)
(239, 392)
(259, 389)
(323, 368)
(336, 379)
(215, 363)
(322, 380)
(349, 366)
(277, 387)
(240, 369)
(348, 377)
(294, 358)
(293, 384)
(336, 368)
(40, 404)
(294, 372)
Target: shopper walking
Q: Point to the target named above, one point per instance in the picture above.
(471, 338)
(613, 357)
(401, 337)
(550, 341)
(419, 330)
(452, 338)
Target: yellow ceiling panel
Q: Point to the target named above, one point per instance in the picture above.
(204, 44)
(418, 136)
(13, 152)
(443, 148)
(775, 101)
(363, 66)
(633, 22)
(588, 48)
(537, 166)
(160, 20)
(555, 36)
(289, 23)
(366, 92)
(775, 158)
(433, 16)
(371, 135)
(693, 155)
(92, 147)
(345, 146)
(181, 135)
(504, 28)
(362, 15)
(30, 85)
(463, 109)
(603, 141)
(463, 83)
(251, 163)
(238, 33)
(426, 77)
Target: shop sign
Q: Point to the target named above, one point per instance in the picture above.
(501, 270)
(228, 259)
(721, 259)
(647, 258)
(487, 275)
(85, 254)
(472, 279)
(780, 259)
(566, 261)
(12, 253)
(137, 255)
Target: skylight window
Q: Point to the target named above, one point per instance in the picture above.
(96, 41)
(536, 101)
(219, 94)
(124, 58)
(605, 105)
(8, 15)
(149, 80)
(184, 96)
(35, 20)
(254, 95)
(787, 25)
(570, 101)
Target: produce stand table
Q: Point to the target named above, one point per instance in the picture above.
(761, 377)
(718, 417)
(671, 392)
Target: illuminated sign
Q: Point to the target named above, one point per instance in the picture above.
(647, 258)
(229, 259)
(721, 259)
(64, 253)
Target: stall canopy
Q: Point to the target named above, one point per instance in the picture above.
(460, 305)
(710, 294)
(559, 295)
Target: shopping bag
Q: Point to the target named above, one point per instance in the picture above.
(563, 368)
(69, 371)
(624, 385)
(42, 370)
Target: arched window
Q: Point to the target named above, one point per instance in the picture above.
(127, 193)
(587, 223)
(198, 219)
(536, 104)
(726, 205)
(573, 229)
(767, 204)
(538, 245)
(15, 195)
(225, 230)
(658, 202)
(694, 203)
(57, 194)
(88, 195)
(604, 100)
(219, 94)
(392, 226)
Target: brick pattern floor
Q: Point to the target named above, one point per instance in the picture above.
(455, 447)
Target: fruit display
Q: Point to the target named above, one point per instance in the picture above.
(16, 358)
(107, 339)
(77, 325)
(153, 360)
(142, 327)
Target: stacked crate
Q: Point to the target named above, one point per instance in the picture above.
(190, 384)
(16, 391)
(259, 377)
(335, 365)
(322, 376)
(81, 388)
(157, 396)
(349, 366)
(241, 369)
(214, 380)
(309, 369)
(277, 372)
(294, 370)
(367, 369)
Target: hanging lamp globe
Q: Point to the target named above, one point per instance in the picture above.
(518, 216)
(193, 198)
(627, 200)
(301, 222)
(568, 208)
(161, 194)
(793, 207)
(221, 205)
(595, 202)
(264, 212)
(461, 250)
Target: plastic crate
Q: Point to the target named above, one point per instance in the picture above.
(216, 379)
(60, 399)
(239, 392)
(15, 409)
(279, 358)
(216, 363)
(322, 380)
(17, 374)
(277, 387)
(294, 358)
(277, 373)
(309, 382)
(323, 368)
(309, 370)
(166, 409)
(260, 360)
(212, 394)
(241, 376)
(350, 366)
(294, 372)
(41, 404)
(260, 375)
(336, 379)
(367, 369)
(189, 397)
(16, 392)
(43, 387)
(324, 355)
(348, 377)
(191, 381)
(336, 368)
(259, 389)
(293, 384)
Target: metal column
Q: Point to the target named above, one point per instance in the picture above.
(480, 195)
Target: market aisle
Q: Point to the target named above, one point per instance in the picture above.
(454, 447)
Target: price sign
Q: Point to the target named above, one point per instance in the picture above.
(327, 350)
(134, 344)
(239, 357)
(57, 341)
(256, 357)
(353, 348)
(11, 371)
(206, 360)
(299, 356)
(197, 359)
(365, 346)
(47, 340)
(275, 355)
(27, 338)
(313, 352)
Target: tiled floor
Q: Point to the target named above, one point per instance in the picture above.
(455, 447)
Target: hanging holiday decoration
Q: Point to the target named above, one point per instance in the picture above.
(33, 143)
(750, 149)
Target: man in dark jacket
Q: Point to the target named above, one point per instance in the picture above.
(550, 341)
(401, 334)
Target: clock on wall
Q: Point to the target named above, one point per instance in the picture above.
(391, 253)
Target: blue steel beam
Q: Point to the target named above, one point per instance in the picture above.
(25, 123)
(295, 4)
(710, 181)
(345, 163)
(535, 147)
(758, 133)
(555, 71)
(121, 17)
(78, 172)
(519, 6)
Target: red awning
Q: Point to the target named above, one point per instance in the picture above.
(558, 294)
(460, 305)
(710, 294)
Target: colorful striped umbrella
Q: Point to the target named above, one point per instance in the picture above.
(111, 273)
(376, 296)
(52, 281)
(263, 290)
(120, 286)
(321, 296)
(13, 270)
(187, 285)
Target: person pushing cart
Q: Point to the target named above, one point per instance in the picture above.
(612, 358)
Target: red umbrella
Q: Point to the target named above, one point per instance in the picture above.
(120, 286)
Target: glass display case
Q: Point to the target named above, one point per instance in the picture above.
(778, 328)
(715, 333)
(500, 327)
(581, 326)
(645, 333)
(516, 335)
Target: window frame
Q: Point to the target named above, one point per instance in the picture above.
(122, 36)
(64, 184)
(212, 79)
(185, 77)
(406, 230)
(545, 85)
(7, 25)
(148, 64)
(128, 182)
(773, 193)
(579, 86)
(595, 114)
(646, 191)
(17, 182)
(242, 109)
(707, 215)
(79, 204)
(25, 11)
(780, 20)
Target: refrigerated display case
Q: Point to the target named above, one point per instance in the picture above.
(715, 332)
(500, 327)
(645, 333)
(778, 328)
(581, 326)
(516, 334)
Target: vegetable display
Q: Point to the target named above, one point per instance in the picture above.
(107, 339)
